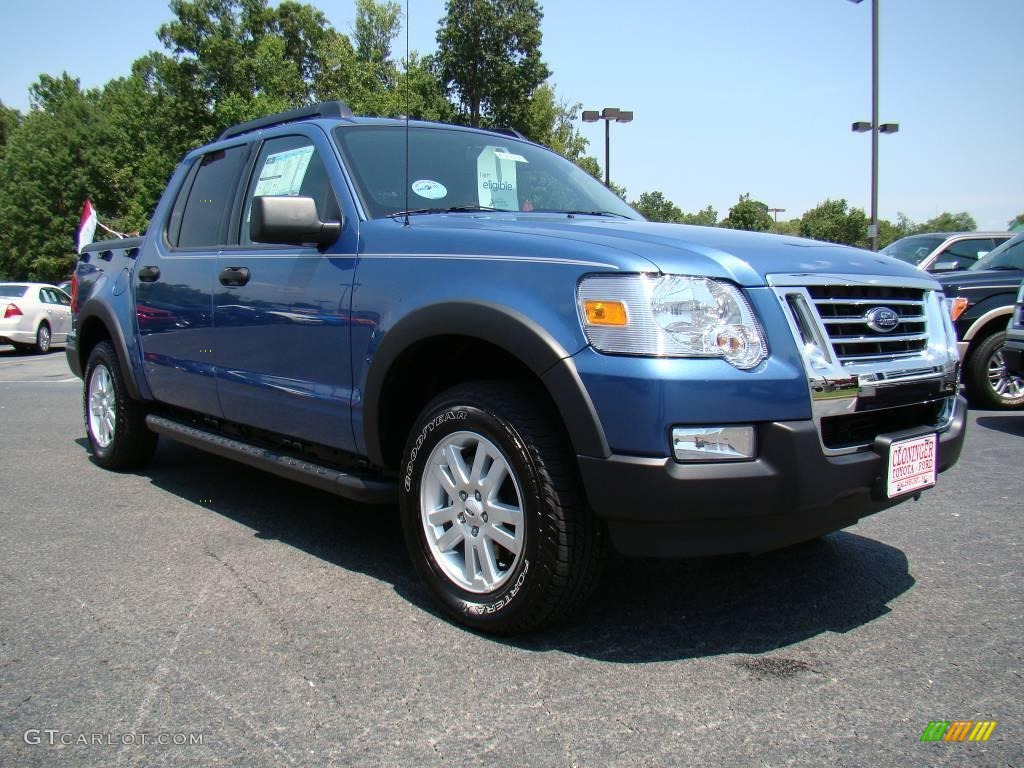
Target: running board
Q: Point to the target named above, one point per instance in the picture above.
(316, 475)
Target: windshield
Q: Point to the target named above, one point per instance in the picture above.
(452, 168)
(913, 250)
(1009, 255)
(13, 291)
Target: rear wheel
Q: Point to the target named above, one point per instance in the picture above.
(989, 383)
(114, 423)
(493, 511)
(43, 339)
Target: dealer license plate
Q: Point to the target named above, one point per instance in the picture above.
(911, 465)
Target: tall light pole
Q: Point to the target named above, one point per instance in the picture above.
(873, 126)
(776, 211)
(607, 114)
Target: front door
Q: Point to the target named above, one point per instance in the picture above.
(282, 312)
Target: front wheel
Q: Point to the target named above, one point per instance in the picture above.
(493, 512)
(114, 423)
(989, 382)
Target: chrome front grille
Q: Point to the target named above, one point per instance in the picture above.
(864, 381)
(844, 312)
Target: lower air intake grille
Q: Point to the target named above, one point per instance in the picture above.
(862, 428)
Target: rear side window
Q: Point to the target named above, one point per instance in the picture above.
(13, 291)
(966, 252)
(208, 206)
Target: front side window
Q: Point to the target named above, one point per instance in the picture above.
(290, 166)
(452, 168)
(913, 250)
(207, 207)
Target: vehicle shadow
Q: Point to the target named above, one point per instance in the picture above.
(1011, 424)
(643, 611)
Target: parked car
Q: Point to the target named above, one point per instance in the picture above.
(34, 316)
(945, 251)
(487, 335)
(982, 300)
(1013, 350)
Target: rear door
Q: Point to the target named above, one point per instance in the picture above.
(282, 311)
(175, 280)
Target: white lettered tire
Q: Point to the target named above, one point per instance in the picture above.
(492, 509)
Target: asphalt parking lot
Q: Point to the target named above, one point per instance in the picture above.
(280, 626)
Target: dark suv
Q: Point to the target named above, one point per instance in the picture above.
(982, 302)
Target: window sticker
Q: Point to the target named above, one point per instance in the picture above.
(496, 179)
(509, 156)
(283, 172)
(432, 190)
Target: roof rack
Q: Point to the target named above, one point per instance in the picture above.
(508, 132)
(323, 109)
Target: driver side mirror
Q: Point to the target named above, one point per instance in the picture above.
(290, 221)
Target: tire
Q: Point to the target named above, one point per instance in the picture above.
(486, 452)
(43, 339)
(989, 383)
(115, 424)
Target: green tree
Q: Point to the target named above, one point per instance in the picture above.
(790, 227)
(9, 119)
(706, 217)
(45, 175)
(1016, 221)
(950, 222)
(748, 214)
(377, 25)
(490, 61)
(654, 206)
(833, 221)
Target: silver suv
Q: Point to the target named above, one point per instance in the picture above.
(945, 251)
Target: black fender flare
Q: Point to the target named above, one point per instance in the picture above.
(96, 312)
(507, 329)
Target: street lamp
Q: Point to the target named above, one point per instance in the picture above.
(607, 114)
(873, 126)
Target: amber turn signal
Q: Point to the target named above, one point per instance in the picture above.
(957, 307)
(605, 312)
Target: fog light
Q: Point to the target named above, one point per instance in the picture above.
(725, 443)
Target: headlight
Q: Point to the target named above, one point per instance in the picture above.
(670, 316)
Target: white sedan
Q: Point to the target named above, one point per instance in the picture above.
(34, 316)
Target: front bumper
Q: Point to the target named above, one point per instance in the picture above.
(1013, 355)
(792, 492)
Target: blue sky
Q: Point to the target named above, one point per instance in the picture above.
(729, 96)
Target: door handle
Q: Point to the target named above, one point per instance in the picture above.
(234, 276)
(149, 274)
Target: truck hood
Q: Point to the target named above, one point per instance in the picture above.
(746, 258)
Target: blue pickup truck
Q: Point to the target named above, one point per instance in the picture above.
(465, 323)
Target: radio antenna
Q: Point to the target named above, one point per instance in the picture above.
(406, 113)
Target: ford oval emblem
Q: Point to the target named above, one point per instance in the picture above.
(882, 319)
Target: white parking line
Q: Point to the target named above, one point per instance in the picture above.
(40, 381)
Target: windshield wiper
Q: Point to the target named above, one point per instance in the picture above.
(452, 209)
(593, 213)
